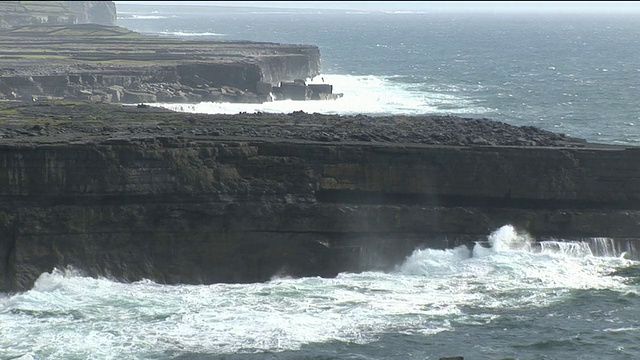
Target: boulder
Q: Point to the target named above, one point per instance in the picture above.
(294, 91)
(264, 88)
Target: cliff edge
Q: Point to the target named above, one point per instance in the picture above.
(132, 192)
(99, 63)
(71, 50)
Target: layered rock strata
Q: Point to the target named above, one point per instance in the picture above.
(132, 193)
(23, 13)
(111, 64)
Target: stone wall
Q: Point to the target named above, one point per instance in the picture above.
(198, 211)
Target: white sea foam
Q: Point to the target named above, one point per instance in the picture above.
(189, 34)
(99, 318)
(425, 261)
(509, 262)
(289, 12)
(405, 12)
(143, 17)
(625, 329)
(372, 95)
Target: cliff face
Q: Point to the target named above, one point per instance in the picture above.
(190, 82)
(301, 63)
(24, 13)
(111, 64)
(94, 12)
(70, 50)
(189, 210)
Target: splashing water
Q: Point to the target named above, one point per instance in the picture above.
(371, 95)
(69, 316)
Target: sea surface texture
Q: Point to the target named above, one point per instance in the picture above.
(574, 74)
(507, 297)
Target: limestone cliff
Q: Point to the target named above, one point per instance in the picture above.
(23, 13)
(112, 64)
(181, 198)
(94, 12)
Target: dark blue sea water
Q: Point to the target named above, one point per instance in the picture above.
(561, 300)
(575, 74)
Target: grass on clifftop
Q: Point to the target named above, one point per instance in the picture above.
(78, 30)
(87, 113)
(35, 8)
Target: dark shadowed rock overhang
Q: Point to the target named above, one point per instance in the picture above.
(133, 193)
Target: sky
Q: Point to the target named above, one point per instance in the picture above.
(432, 6)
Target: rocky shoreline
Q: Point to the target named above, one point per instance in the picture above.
(134, 192)
(70, 121)
(109, 64)
(20, 13)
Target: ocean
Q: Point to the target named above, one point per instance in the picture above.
(510, 297)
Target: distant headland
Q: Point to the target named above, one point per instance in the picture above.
(24, 13)
(72, 50)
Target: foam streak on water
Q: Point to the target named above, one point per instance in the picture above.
(371, 95)
(69, 316)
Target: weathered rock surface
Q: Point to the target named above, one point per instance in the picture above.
(110, 64)
(133, 193)
(94, 12)
(24, 13)
(45, 54)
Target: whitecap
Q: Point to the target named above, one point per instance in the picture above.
(148, 17)
(362, 94)
(189, 34)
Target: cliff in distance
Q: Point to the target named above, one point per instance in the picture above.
(70, 50)
(136, 192)
(111, 64)
(23, 13)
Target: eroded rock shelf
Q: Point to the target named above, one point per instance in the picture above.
(101, 63)
(134, 193)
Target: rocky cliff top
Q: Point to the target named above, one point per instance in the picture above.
(89, 48)
(138, 192)
(48, 122)
(112, 64)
